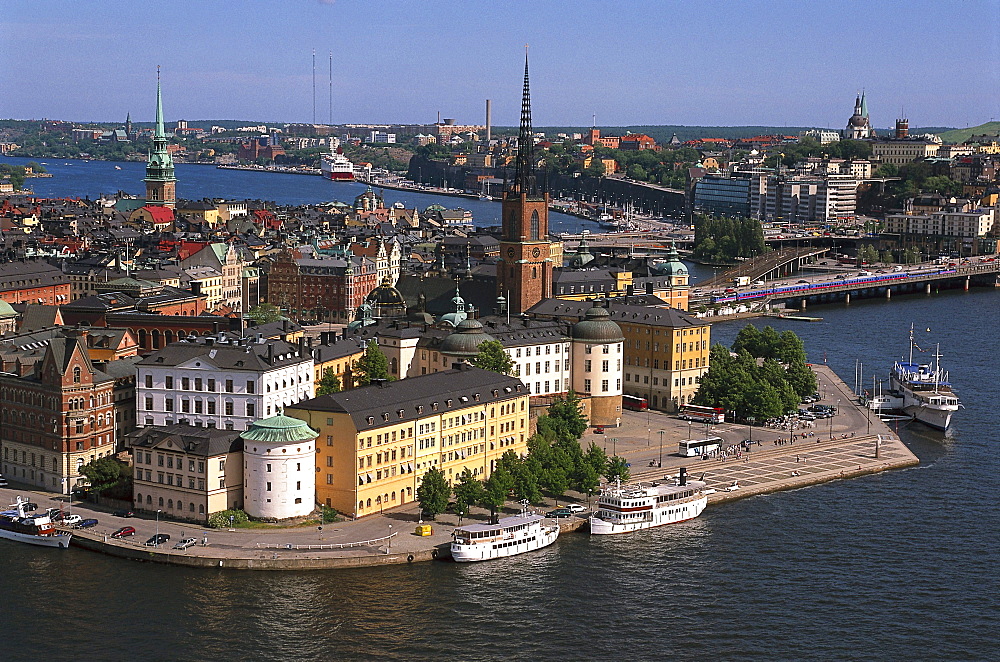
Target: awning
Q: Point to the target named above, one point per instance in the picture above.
(369, 478)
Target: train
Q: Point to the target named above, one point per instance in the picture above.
(874, 280)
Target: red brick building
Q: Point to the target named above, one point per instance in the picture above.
(34, 281)
(636, 142)
(317, 286)
(60, 411)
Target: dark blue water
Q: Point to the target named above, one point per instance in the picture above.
(73, 178)
(897, 566)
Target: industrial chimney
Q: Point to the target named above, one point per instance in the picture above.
(489, 120)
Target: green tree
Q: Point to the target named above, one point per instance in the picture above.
(226, 518)
(592, 466)
(264, 313)
(329, 383)
(108, 475)
(617, 469)
(492, 357)
(468, 492)
(496, 489)
(372, 365)
(567, 415)
(433, 493)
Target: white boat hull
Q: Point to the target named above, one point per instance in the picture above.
(659, 517)
(936, 418)
(500, 549)
(61, 540)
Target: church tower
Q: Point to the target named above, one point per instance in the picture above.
(161, 185)
(524, 271)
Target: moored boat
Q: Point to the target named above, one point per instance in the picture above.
(626, 508)
(508, 537)
(923, 390)
(337, 167)
(17, 524)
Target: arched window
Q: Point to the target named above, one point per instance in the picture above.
(534, 225)
(168, 336)
(138, 498)
(394, 495)
(156, 339)
(161, 502)
(142, 338)
(369, 503)
(76, 375)
(149, 500)
(361, 505)
(511, 224)
(191, 507)
(180, 506)
(170, 504)
(378, 499)
(201, 509)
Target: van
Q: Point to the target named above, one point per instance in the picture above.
(897, 268)
(865, 273)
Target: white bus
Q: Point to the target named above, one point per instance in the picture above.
(699, 447)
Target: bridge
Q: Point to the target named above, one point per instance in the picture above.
(926, 278)
(772, 265)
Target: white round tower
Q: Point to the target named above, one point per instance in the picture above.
(597, 365)
(279, 468)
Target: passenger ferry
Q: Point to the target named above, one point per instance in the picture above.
(510, 536)
(924, 390)
(621, 509)
(337, 167)
(17, 524)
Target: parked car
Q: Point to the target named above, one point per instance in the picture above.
(559, 512)
(185, 543)
(30, 506)
(70, 520)
(3, 482)
(157, 539)
(575, 508)
(124, 513)
(123, 532)
(87, 523)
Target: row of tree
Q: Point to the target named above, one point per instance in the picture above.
(868, 254)
(764, 376)
(721, 239)
(554, 464)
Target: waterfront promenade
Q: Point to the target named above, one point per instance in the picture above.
(838, 448)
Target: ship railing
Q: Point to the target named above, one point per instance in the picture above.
(374, 542)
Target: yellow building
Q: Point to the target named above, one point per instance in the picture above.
(668, 280)
(376, 442)
(339, 355)
(199, 211)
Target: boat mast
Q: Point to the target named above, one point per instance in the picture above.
(911, 343)
(937, 365)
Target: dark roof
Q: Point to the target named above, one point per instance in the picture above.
(252, 356)
(417, 397)
(183, 438)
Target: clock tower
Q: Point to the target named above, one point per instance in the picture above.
(524, 271)
(161, 184)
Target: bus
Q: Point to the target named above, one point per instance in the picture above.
(712, 415)
(698, 447)
(635, 403)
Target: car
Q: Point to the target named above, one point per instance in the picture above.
(575, 508)
(559, 512)
(157, 540)
(841, 277)
(53, 513)
(185, 543)
(3, 482)
(123, 532)
(802, 282)
(124, 513)
(30, 506)
(86, 523)
(70, 520)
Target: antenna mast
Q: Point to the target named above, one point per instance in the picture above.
(331, 87)
(314, 86)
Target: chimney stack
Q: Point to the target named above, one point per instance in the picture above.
(682, 477)
(270, 353)
(489, 120)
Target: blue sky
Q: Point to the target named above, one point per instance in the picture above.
(629, 62)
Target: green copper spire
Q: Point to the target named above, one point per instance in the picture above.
(160, 165)
(158, 132)
(864, 106)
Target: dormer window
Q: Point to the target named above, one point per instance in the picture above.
(448, 402)
(434, 406)
(400, 413)
(371, 420)
(385, 417)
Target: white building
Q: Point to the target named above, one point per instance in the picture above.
(216, 382)
(279, 468)
(597, 365)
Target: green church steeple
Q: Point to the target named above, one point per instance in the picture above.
(160, 179)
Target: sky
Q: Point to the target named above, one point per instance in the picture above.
(630, 62)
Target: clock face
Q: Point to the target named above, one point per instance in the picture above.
(535, 252)
(510, 252)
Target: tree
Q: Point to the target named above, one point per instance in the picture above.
(372, 365)
(592, 466)
(108, 475)
(329, 383)
(566, 413)
(617, 470)
(433, 493)
(226, 518)
(495, 490)
(264, 313)
(492, 357)
(468, 492)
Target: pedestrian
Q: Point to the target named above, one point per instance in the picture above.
(796, 458)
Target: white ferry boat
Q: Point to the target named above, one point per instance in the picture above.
(337, 167)
(17, 524)
(922, 391)
(621, 509)
(508, 537)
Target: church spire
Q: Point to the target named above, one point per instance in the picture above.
(160, 180)
(864, 105)
(158, 132)
(524, 178)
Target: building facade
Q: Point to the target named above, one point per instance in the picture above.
(279, 468)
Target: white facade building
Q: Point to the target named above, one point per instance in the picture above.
(279, 468)
(215, 382)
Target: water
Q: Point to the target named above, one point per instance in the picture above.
(74, 178)
(896, 566)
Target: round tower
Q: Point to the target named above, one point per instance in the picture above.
(279, 455)
(597, 365)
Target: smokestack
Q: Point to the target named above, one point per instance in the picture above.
(682, 477)
(489, 120)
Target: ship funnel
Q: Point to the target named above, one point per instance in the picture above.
(682, 477)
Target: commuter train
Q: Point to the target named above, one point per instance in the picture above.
(807, 289)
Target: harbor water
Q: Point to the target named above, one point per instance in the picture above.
(893, 566)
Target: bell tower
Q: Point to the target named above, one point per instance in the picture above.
(161, 185)
(524, 271)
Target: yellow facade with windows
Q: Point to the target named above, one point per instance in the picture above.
(376, 442)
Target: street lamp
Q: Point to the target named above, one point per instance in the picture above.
(157, 539)
(614, 446)
(750, 420)
(660, 462)
(388, 542)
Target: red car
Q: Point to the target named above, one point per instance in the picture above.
(124, 531)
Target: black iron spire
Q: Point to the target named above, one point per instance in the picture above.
(524, 177)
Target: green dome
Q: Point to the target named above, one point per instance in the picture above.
(466, 339)
(279, 429)
(597, 327)
(6, 311)
(673, 266)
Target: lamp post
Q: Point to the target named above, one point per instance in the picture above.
(388, 542)
(750, 420)
(157, 539)
(614, 446)
(659, 463)
(689, 430)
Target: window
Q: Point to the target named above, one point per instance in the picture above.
(250, 386)
(197, 383)
(168, 404)
(229, 386)
(149, 403)
(185, 406)
(168, 382)
(586, 385)
(211, 384)
(76, 375)
(251, 409)
(229, 408)
(211, 406)
(587, 365)
(149, 381)
(604, 385)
